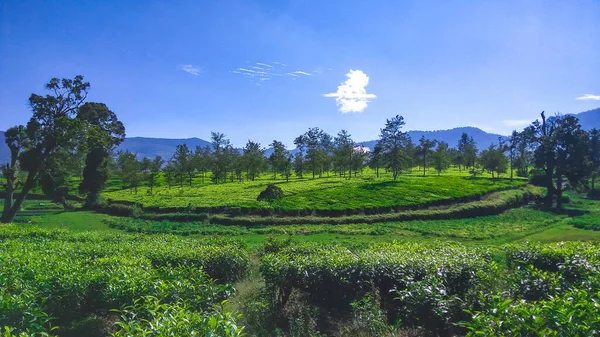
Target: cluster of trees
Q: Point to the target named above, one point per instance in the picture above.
(67, 136)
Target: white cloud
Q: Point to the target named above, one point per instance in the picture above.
(190, 69)
(516, 123)
(351, 95)
(589, 97)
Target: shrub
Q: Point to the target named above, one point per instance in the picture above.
(271, 193)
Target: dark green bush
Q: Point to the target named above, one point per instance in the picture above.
(271, 193)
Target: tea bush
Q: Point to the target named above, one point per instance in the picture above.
(51, 278)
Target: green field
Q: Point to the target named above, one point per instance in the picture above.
(76, 272)
(332, 193)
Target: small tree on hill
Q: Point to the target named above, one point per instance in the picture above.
(271, 193)
(394, 143)
(441, 157)
(494, 160)
(424, 151)
(277, 159)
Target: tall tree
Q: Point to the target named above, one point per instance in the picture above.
(562, 153)
(278, 158)
(468, 150)
(317, 143)
(154, 167)
(343, 148)
(424, 151)
(130, 169)
(376, 158)
(441, 157)
(104, 133)
(394, 143)
(183, 162)
(253, 160)
(220, 157)
(202, 160)
(51, 127)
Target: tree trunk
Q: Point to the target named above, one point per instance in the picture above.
(559, 192)
(10, 209)
(593, 180)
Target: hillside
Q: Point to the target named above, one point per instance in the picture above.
(164, 147)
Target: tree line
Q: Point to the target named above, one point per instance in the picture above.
(67, 136)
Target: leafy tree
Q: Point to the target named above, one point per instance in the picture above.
(54, 178)
(130, 169)
(441, 157)
(494, 160)
(317, 143)
(594, 157)
(153, 168)
(562, 152)
(287, 167)
(298, 164)
(359, 157)
(104, 132)
(525, 146)
(278, 158)
(468, 150)
(394, 143)
(424, 151)
(202, 160)
(183, 162)
(52, 127)
(219, 160)
(342, 152)
(253, 160)
(376, 158)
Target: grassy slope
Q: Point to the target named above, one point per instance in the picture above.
(523, 224)
(333, 193)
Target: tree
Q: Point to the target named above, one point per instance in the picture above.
(358, 158)
(287, 167)
(343, 148)
(494, 160)
(594, 156)
(468, 150)
(202, 160)
(53, 126)
(424, 150)
(441, 157)
(376, 158)
(104, 132)
(278, 158)
(317, 143)
(253, 160)
(562, 152)
(219, 160)
(54, 177)
(130, 169)
(394, 143)
(153, 170)
(298, 164)
(183, 163)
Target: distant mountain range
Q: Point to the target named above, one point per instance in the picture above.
(165, 147)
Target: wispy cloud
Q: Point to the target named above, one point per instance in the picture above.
(516, 123)
(589, 97)
(299, 72)
(260, 72)
(351, 95)
(190, 69)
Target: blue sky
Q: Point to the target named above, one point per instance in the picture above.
(265, 70)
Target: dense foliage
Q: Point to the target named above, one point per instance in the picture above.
(54, 280)
(444, 289)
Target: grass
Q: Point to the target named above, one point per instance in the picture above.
(327, 193)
